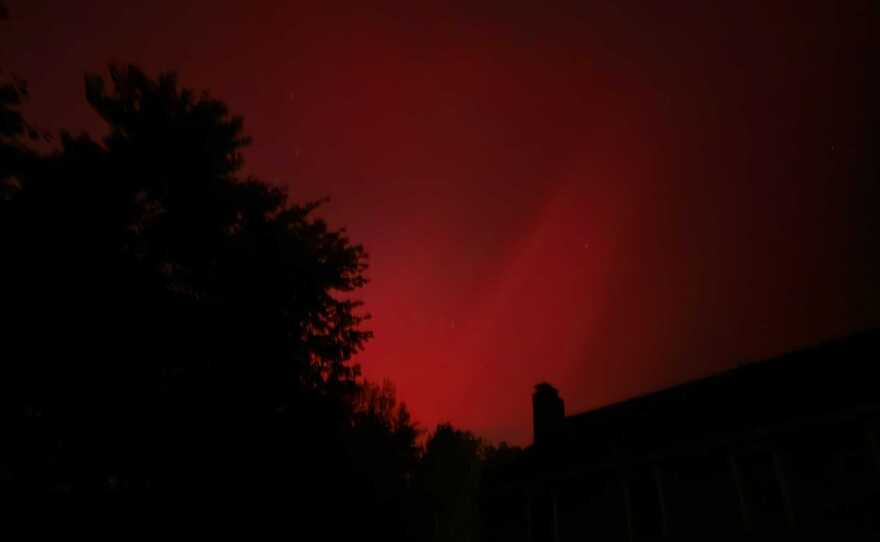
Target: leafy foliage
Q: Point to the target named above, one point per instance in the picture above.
(454, 478)
(174, 332)
(179, 338)
(220, 239)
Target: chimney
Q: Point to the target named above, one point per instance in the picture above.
(548, 413)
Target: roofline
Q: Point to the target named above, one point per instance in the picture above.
(739, 369)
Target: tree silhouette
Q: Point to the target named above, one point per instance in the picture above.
(383, 457)
(175, 335)
(449, 478)
(221, 239)
(14, 154)
(12, 94)
(456, 479)
(178, 339)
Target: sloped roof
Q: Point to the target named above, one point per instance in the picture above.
(834, 377)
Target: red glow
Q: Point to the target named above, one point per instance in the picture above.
(610, 199)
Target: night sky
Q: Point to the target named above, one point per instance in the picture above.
(610, 197)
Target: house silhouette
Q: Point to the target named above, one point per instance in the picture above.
(775, 449)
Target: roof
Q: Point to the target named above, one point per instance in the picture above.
(830, 379)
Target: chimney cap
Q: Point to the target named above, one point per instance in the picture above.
(544, 387)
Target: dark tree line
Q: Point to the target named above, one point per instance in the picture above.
(177, 339)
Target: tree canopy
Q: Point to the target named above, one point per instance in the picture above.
(166, 319)
(178, 338)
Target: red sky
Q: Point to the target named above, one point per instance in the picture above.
(613, 198)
